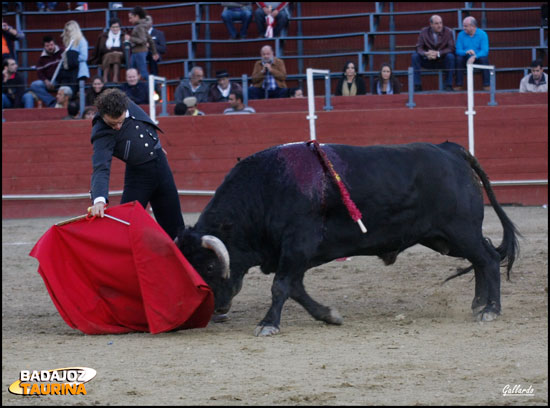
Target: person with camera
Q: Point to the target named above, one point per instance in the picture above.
(268, 77)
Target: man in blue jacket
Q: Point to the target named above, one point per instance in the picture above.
(123, 130)
(472, 47)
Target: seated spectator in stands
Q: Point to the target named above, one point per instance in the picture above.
(109, 51)
(73, 110)
(140, 42)
(236, 105)
(472, 47)
(220, 91)
(192, 108)
(536, 81)
(63, 97)
(386, 83)
(9, 36)
(237, 11)
(180, 109)
(98, 86)
(13, 87)
(435, 49)
(136, 90)
(47, 64)
(296, 93)
(193, 86)
(160, 44)
(268, 76)
(46, 6)
(280, 14)
(75, 59)
(89, 112)
(350, 84)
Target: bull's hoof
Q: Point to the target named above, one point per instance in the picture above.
(334, 318)
(487, 314)
(263, 331)
(220, 318)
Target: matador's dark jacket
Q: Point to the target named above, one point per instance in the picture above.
(135, 143)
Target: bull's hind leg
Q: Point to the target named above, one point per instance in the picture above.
(317, 310)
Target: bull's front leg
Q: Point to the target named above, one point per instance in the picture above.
(280, 291)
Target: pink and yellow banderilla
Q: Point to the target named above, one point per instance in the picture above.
(348, 202)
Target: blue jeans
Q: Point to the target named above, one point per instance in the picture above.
(447, 63)
(461, 65)
(244, 15)
(281, 22)
(39, 88)
(28, 101)
(139, 62)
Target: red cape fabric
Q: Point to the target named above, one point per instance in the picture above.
(107, 277)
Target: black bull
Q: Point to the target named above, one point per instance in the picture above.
(280, 209)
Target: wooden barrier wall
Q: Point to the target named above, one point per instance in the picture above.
(54, 157)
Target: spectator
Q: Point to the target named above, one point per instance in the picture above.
(160, 44)
(148, 177)
(277, 10)
(13, 87)
(89, 112)
(536, 81)
(98, 86)
(268, 76)
(140, 42)
(472, 47)
(435, 49)
(9, 36)
(109, 51)
(193, 86)
(64, 95)
(75, 64)
(350, 84)
(136, 90)
(47, 64)
(386, 83)
(180, 109)
(73, 110)
(220, 92)
(46, 6)
(296, 93)
(237, 11)
(192, 109)
(236, 105)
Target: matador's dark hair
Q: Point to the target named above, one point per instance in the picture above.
(112, 102)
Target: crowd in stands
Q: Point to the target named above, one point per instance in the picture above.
(139, 50)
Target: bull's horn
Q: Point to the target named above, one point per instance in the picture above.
(176, 241)
(216, 245)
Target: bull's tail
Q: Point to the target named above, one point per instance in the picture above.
(509, 247)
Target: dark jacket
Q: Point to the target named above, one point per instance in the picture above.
(14, 88)
(396, 86)
(216, 96)
(160, 42)
(135, 143)
(139, 93)
(445, 43)
(140, 37)
(359, 83)
(101, 49)
(48, 63)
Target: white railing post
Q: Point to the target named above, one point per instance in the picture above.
(152, 110)
(470, 112)
(311, 99)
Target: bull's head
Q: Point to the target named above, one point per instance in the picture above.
(210, 258)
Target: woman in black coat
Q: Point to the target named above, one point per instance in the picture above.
(350, 84)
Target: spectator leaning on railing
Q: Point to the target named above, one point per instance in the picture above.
(536, 81)
(13, 87)
(472, 47)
